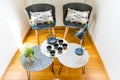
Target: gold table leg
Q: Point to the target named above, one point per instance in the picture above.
(28, 75)
(60, 69)
(52, 68)
(83, 70)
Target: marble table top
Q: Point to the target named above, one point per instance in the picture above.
(38, 62)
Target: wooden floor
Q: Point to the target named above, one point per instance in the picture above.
(94, 68)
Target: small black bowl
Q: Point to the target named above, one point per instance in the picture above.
(49, 47)
(64, 45)
(60, 41)
(60, 49)
(56, 46)
(52, 53)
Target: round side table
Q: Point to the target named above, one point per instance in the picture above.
(40, 61)
(71, 60)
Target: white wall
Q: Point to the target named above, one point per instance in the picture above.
(13, 28)
(7, 45)
(105, 34)
(18, 10)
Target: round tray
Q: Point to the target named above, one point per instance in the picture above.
(46, 52)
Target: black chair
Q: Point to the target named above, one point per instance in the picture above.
(41, 8)
(77, 7)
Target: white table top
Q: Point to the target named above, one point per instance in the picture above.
(57, 54)
(71, 60)
(40, 61)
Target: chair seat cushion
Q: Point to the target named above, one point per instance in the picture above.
(77, 16)
(42, 26)
(41, 17)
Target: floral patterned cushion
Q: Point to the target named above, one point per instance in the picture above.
(41, 17)
(77, 16)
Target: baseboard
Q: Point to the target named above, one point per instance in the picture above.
(26, 35)
(9, 64)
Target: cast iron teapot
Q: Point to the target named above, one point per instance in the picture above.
(51, 39)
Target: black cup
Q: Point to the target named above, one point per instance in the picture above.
(56, 46)
(60, 41)
(52, 52)
(60, 49)
(64, 45)
(49, 48)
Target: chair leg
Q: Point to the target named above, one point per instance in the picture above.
(37, 36)
(49, 31)
(53, 31)
(66, 31)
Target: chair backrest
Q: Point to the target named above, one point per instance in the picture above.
(76, 6)
(39, 8)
